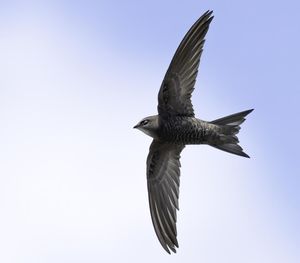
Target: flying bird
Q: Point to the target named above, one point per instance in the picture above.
(176, 126)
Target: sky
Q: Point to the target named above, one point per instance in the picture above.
(76, 76)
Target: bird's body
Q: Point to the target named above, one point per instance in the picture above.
(184, 130)
(187, 130)
(176, 126)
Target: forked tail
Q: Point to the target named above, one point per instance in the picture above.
(230, 126)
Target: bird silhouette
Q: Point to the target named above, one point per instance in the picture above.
(176, 126)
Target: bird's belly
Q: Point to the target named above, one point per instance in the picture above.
(185, 132)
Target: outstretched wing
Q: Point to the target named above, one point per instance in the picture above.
(174, 97)
(163, 171)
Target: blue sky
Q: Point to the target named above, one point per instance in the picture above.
(77, 75)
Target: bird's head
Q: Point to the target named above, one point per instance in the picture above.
(148, 125)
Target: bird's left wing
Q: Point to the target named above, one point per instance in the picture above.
(174, 97)
(163, 171)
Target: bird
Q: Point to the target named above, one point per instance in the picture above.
(176, 126)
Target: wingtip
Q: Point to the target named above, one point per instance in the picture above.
(208, 16)
(173, 248)
(167, 248)
(209, 13)
(168, 251)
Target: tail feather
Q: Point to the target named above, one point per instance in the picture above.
(232, 148)
(234, 119)
(230, 126)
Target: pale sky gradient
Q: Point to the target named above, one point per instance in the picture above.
(77, 75)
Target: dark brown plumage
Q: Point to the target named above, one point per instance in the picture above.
(176, 126)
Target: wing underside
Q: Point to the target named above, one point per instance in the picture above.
(163, 172)
(174, 98)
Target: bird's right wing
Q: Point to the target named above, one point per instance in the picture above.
(163, 171)
(174, 97)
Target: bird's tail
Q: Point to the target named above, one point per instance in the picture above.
(229, 127)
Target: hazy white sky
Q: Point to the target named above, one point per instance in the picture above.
(76, 76)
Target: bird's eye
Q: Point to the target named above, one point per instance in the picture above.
(144, 122)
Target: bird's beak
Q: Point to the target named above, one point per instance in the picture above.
(136, 126)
